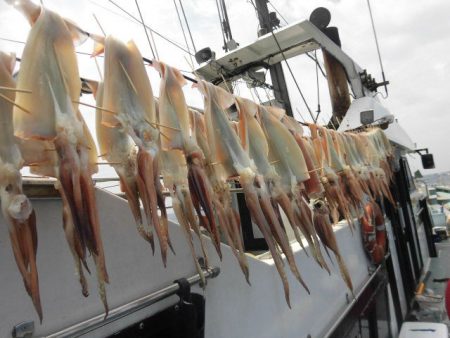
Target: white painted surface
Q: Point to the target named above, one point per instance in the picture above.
(233, 309)
(423, 245)
(423, 330)
(393, 324)
(397, 272)
(352, 119)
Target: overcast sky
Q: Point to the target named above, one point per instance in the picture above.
(413, 35)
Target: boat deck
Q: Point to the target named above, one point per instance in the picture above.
(430, 306)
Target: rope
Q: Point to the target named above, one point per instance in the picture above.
(187, 25)
(146, 33)
(378, 47)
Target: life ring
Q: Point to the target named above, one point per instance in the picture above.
(373, 232)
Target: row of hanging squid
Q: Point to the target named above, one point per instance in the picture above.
(315, 181)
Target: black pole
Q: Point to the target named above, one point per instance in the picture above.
(276, 70)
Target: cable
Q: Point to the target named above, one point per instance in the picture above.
(318, 88)
(378, 47)
(288, 66)
(182, 28)
(23, 43)
(146, 33)
(309, 55)
(257, 95)
(317, 63)
(292, 75)
(187, 25)
(152, 30)
(88, 54)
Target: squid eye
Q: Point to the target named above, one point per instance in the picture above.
(9, 188)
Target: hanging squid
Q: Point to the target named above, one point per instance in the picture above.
(53, 123)
(329, 162)
(229, 152)
(16, 207)
(321, 215)
(351, 185)
(291, 166)
(255, 143)
(117, 148)
(174, 118)
(228, 217)
(208, 202)
(128, 97)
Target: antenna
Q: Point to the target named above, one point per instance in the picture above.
(384, 83)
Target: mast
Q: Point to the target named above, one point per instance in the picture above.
(267, 21)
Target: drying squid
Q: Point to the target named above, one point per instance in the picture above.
(174, 116)
(118, 150)
(313, 185)
(383, 150)
(128, 97)
(174, 171)
(352, 187)
(228, 217)
(377, 179)
(358, 169)
(321, 216)
(174, 119)
(255, 142)
(327, 156)
(16, 207)
(290, 165)
(228, 151)
(49, 69)
(327, 237)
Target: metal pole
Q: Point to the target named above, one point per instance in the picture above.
(276, 70)
(129, 308)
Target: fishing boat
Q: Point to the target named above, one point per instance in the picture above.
(147, 296)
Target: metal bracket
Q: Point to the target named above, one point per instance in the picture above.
(23, 330)
(420, 150)
(184, 292)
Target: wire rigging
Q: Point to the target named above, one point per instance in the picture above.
(182, 28)
(293, 77)
(318, 88)
(314, 58)
(155, 51)
(187, 25)
(287, 64)
(378, 48)
(152, 30)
